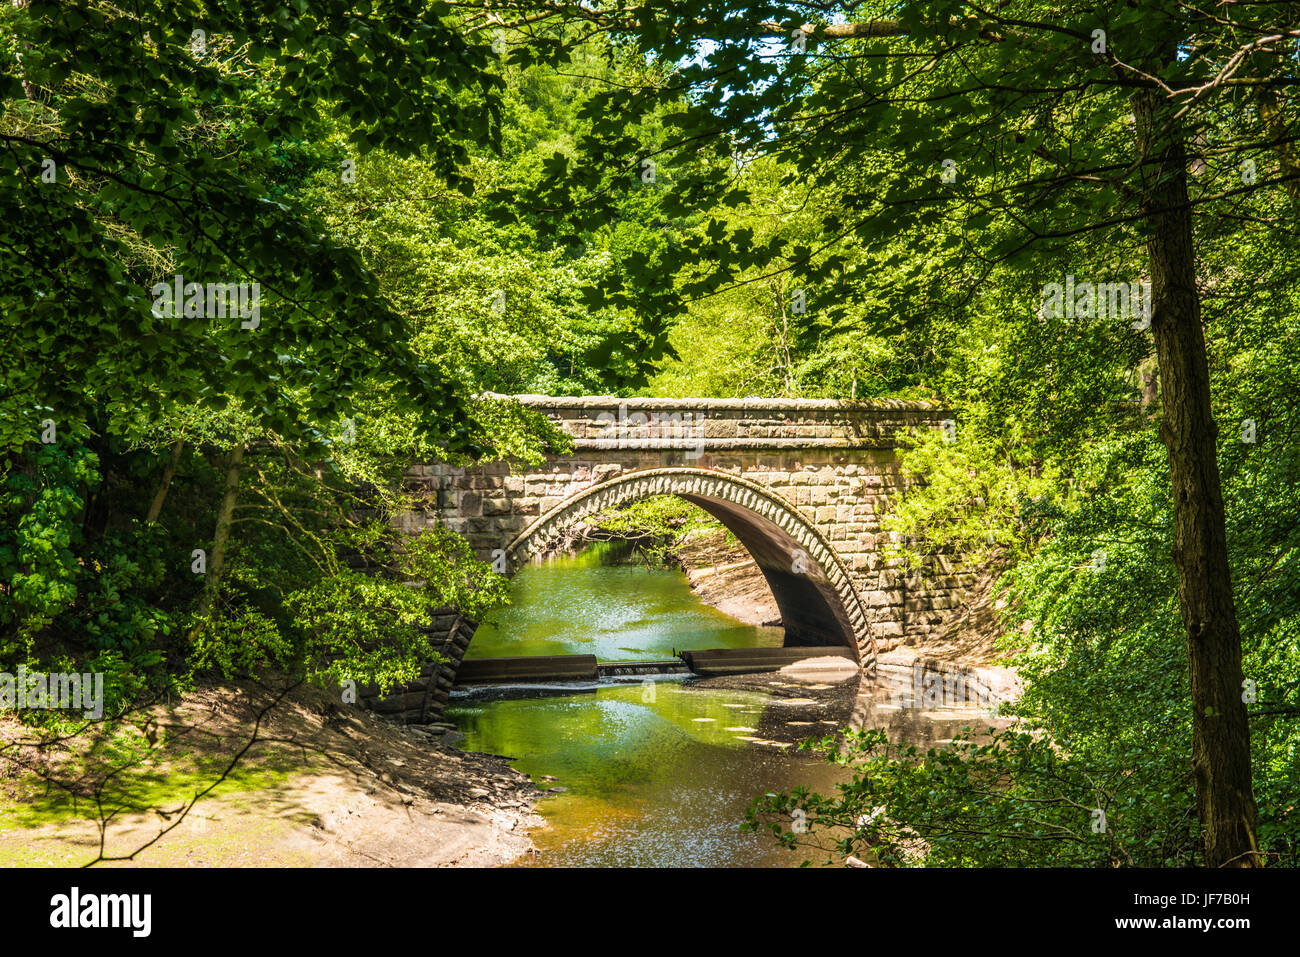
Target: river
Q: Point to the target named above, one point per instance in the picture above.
(654, 773)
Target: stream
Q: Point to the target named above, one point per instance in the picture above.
(653, 772)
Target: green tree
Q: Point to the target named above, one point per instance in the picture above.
(1036, 124)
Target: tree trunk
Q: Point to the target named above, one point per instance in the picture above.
(1220, 732)
(1150, 386)
(217, 560)
(155, 507)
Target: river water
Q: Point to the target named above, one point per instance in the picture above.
(654, 773)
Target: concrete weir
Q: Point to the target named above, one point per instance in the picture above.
(742, 661)
(706, 663)
(802, 483)
(503, 670)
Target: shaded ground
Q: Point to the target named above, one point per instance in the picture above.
(323, 784)
(722, 573)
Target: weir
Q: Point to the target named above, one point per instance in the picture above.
(708, 662)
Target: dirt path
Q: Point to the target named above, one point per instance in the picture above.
(325, 785)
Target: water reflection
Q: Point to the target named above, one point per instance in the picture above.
(657, 774)
(660, 772)
(590, 604)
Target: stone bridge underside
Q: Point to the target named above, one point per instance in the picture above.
(802, 483)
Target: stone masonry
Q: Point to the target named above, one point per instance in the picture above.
(803, 483)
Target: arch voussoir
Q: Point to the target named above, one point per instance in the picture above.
(696, 483)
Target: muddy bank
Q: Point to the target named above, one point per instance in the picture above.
(721, 572)
(319, 784)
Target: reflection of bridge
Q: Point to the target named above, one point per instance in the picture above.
(802, 483)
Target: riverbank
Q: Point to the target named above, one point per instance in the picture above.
(721, 572)
(319, 784)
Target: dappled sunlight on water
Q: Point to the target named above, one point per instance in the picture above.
(660, 773)
(662, 782)
(579, 606)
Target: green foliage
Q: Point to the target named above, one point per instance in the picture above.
(170, 158)
(972, 500)
(241, 643)
(494, 296)
(501, 236)
(363, 627)
(372, 629)
(318, 590)
(1102, 718)
(655, 525)
(101, 596)
(138, 151)
(937, 282)
(450, 574)
(39, 501)
(1017, 800)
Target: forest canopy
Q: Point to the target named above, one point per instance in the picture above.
(434, 203)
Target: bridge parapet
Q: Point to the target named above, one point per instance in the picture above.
(612, 422)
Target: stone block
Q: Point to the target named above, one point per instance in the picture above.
(715, 428)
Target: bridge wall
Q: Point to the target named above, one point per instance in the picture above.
(803, 483)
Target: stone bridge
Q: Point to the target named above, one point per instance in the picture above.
(802, 483)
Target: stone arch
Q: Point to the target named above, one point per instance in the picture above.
(819, 606)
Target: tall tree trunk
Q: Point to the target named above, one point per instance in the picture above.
(29, 91)
(1150, 383)
(155, 507)
(1220, 732)
(225, 514)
